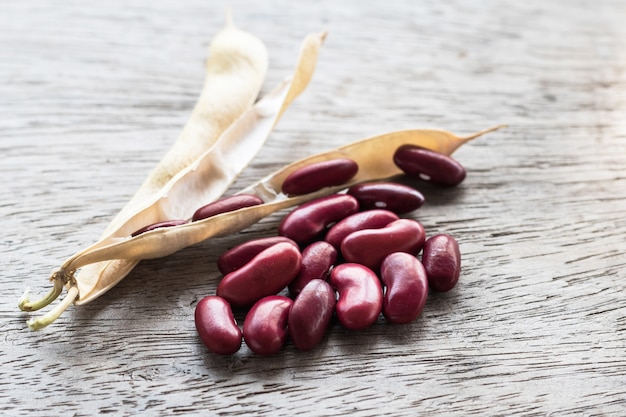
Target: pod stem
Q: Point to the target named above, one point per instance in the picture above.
(483, 132)
(60, 279)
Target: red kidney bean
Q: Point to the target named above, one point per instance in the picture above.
(406, 285)
(387, 195)
(318, 175)
(317, 259)
(240, 255)
(216, 326)
(371, 219)
(369, 247)
(265, 325)
(360, 295)
(310, 220)
(225, 205)
(311, 313)
(266, 274)
(429, 165)
(159, 225)
(442, 260)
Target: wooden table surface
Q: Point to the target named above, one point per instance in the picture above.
(92, 94)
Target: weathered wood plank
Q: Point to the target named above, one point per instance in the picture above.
(93, 95)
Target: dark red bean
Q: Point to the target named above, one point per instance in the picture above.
(387, 195)
(216, 326)
(310, 220)
(159, 225)
(429, 165)
(442, 261)
(317, 259)
(371, 219)
(265, 325)
(240, 255)
(319, 175)
(406, 285)
(266, 274)
(369, 247)
(226, 204)
(360, 295)
(311, 314)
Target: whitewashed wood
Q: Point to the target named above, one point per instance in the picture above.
(93, 93)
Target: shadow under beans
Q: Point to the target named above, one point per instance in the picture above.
(434, 195)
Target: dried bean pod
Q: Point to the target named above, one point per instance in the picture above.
(369, 247)
(406, 285)
(240, 255)
(428, 165)
(159, 225)
(314, 177)
(442, 260)
(216, 326)
(226, 204)
(310, 220)
(371, 219)
(360, 295)
(317, 260)
(311, 314)
(391, 196)
(265, 325)
(266, 274)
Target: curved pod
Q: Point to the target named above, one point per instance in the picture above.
(360, 295)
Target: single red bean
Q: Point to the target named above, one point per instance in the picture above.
(371, 219)
(265, 325)
(225, 205)
(442, 260)
(369, 247)
(266, 274)
(310, 220)
(387, 195)
(318, 175)
(216, 326)
(240, 255)
(159, 225)
(406, 285)
(429, 165)
(311, 314)
(360, 295)
(317, 259)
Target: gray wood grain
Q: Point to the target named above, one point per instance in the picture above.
(92, 94)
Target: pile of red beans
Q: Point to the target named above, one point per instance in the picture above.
(348, 255)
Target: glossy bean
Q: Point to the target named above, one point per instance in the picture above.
(226, 204)
(442, 261)
(360, 295)
(311, 314)
(317, 260)
(216, 326)
(428, 165)
(240, 255)
(159, 225)
(406, 287)
(265, 325)
(369, 247)
(391, 196)
(319, 175)
(371, 219)
(266, 274)
(310, 220)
